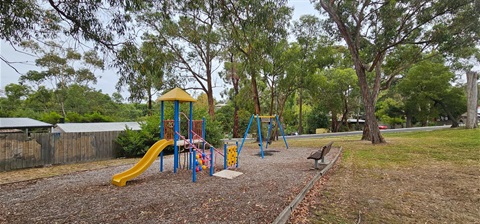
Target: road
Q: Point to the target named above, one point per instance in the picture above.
(325, 135)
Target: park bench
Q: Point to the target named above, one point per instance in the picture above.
(320, 154)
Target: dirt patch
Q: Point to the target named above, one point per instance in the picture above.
(257, 196)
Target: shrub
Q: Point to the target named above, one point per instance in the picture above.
(132, 143)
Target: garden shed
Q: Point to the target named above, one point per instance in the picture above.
(14, 124)
(96, 127)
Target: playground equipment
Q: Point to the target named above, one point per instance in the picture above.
(268, 119)
(199, 158)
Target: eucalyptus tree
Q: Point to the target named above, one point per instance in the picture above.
(63, 67)
(373, 30)
(15, 96)
(429, 83)
(287, 83)
(307, 31)
(191, 36)
(252, 24)
(472, 100)
(233, 74)
(144, 71)
(37, 20)
(336, 89)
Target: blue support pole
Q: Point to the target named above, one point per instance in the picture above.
(238, 154)
(162, 131)
(194, 168)
(190, 134)
(161, 161)
(225, 154)
(212, 164)
(268, 133)
(190, 159)
(176, 127)
(162, 122)
(260, 135)
(245, 135)
(281, 129)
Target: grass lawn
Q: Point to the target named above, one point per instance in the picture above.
(417, 177)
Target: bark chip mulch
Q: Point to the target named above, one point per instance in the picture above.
(258, 196)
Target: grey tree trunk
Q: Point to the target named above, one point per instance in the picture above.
(472, 100)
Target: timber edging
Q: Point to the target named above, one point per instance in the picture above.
(285, 214)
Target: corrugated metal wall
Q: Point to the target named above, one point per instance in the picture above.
(18, 151)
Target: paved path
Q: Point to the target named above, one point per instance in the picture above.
(326, 135)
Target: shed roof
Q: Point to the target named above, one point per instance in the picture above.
(22, 122)
(177, 94)
(96, 127)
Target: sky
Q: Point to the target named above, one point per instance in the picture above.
(108, 78)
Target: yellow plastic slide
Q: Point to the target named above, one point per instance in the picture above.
(121, 179)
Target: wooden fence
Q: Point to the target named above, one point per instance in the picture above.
(18, 151)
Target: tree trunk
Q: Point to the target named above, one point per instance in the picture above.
(256, 98)
(449, 114)
(369, 98)
(371, 131)
(272, 95)
(366, 136)
(235, 82)
(211, 103)
(334, 123)
(300, 113)
(472, 100)
(256, 102)
(149, 101)
(408, 120)
(344, 115)
(210, 99)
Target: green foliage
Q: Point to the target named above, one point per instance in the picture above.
(317, 118)
(136, 143)
(132, 143)
(52, 117)
(214, 132)
(37, 20)
(97, 117)
(390, 111)
(429, 93)
(224, 116)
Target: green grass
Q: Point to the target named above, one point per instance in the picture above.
(425, 176)
(406, 149)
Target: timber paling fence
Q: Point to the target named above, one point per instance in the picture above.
(19, 151)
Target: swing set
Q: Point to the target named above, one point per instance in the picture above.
(260, 119)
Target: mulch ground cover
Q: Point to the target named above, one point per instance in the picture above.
(266, 187)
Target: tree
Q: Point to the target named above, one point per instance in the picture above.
(307, 32)
(372, 30)
(233, 73)
(472, 100)
(251, 24)
(15, 95)
(429, 82)
(62, 69)
(44, 20)
(336, 90)
(391, 110)
(192, 36)
(144, 71)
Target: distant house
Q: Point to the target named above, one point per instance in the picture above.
(220, 105)
(95, 127)
(22, 124)
(463, 117)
